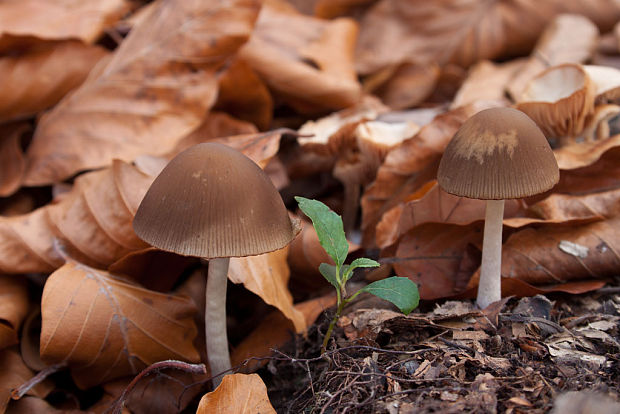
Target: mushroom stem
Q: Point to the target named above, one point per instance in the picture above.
(489, 287)
(215, 318)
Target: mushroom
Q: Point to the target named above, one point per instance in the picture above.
(497, 154)
(213, 202)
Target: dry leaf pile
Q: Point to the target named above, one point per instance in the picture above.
(350, 102)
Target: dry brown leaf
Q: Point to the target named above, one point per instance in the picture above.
(244, 95)
(14, 305)
(37, 79)
(568, 38)
(59, 19)
(435, 256)
(408, 85)
(105, 328)
(556, 254)
(12, 160)
(156, 89)
(409, 166)
(36, 405)
(329, 9)
(589, 166)
(274, 331)
(237, 394)
(463, 32)
(563, 207)
(433, 205)
(487, 81)
(305, 256)
(311, 65)
(13, 374)
(267, 276)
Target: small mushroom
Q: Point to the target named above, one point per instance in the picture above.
(213, 202)
(497, 154)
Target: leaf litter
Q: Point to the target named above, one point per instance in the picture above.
(348, 101)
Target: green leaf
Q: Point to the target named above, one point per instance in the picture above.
(329, 272)
(328, 226)
(360, 262)
(401, 291)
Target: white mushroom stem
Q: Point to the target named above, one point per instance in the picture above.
(489, 287)
(215, 318)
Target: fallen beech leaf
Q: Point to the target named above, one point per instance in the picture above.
(432, 204)
(434, 256)
(589, 166)
(243, 95)
(13, 308)
(487, 81)
(237, 394)
(105, 328)
(408, 85)
(59, 19)
(37, 79)
(36, 405)
(564, 207)
(13, 374)
(534, 256)
(568, 38)
(267, 276)
(404, 168)
(215, 124)
(155, 90)
(329, 9)
(461, 31)
(274, 331)
(12, 161)
(311, 66)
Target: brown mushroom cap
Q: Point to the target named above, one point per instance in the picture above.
(498, 153)
(212, 201)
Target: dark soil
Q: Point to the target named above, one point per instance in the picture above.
(515, 357)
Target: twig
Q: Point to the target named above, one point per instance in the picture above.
(20, 391)
(117, 407)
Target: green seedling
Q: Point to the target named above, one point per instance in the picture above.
(401, 291)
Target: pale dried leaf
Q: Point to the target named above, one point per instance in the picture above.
(105, 328)
(155, 90)
(37, 79)
(567, 39)
(267, 276)
(59, 19)
(312, 65)
(463, 32)
(237, 394)
(14, 303)
(487, 81)
(408, 85)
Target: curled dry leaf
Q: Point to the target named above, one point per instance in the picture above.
(155, 90)
(559, 100)
(312, 65)
(487, 81)
(59, 19)
(12, 160)
(267, 276)
(463, 32)
(14, 305)
(238, 393)
(38, 78)
(539, 256)
(589, 166)
(409, 166)
(105, 328)
(433, 205)
(564, 207)
(597, 124)
(92, 221)
(569, 38)
(13, 374)
(244, 95)
(607, 82)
